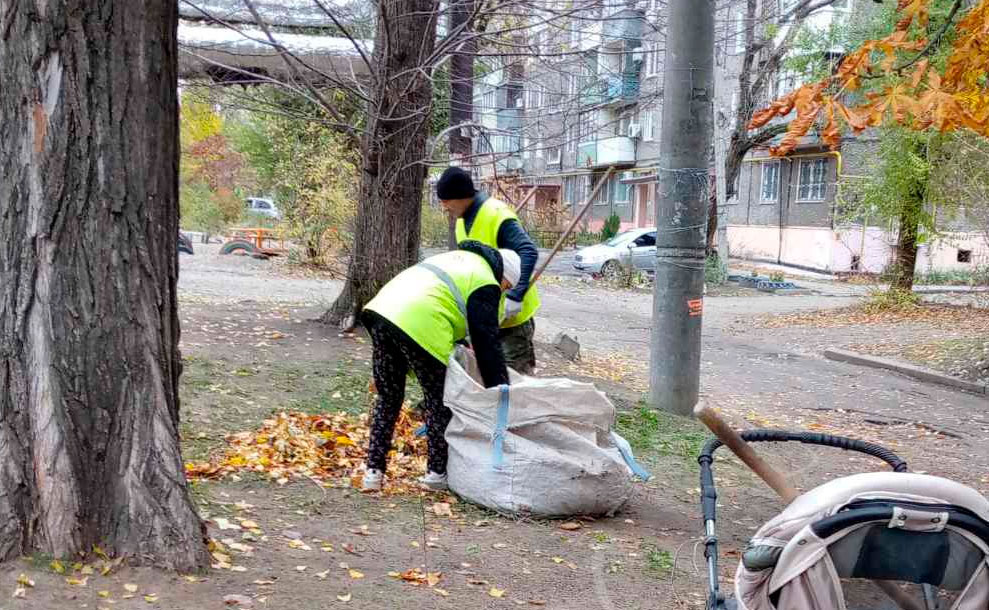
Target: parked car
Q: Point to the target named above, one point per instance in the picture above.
(262, 207)
(185, 244)
(637, 246)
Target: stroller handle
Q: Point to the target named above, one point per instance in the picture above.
(706, 457)
(709, 495)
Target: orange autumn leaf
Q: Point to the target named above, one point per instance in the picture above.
(918, 98)
(912, 11)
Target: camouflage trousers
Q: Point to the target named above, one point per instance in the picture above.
(516, 343)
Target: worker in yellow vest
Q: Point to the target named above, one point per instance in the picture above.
(415, 321)
(495, 224)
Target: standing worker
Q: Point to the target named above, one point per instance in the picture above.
(414, 322)
(493, 223)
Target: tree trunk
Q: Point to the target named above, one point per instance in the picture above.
(386, 227)
(461, 92)
(906, 247)
(89, 329)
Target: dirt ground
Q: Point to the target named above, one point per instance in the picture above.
(251, 349)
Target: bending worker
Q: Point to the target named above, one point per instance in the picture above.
(494, 223)
(414, 322)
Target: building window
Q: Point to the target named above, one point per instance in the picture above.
(535, 97)
(964, 256)
(739, 33)
(812, 180)
(622, 192)
(488, 102)
(648, 123)
(652, 59)
(770, 191)
(553, 155)
(572, 138)
(575, 33)
(586, 126)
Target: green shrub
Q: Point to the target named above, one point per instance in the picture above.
(715, 271)
(434, 227)
(611, 227)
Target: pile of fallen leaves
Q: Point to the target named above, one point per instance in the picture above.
(322, 447)
(948, 317)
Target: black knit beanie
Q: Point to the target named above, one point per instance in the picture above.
(455, 183)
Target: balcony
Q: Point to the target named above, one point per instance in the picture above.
(618, 89)
(619, 150)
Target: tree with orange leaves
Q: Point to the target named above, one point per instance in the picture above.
(925, 78)
(912, 90)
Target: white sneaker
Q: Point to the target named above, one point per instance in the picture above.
(372, 480)
(434, 481)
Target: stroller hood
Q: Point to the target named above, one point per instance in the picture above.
(910, 527)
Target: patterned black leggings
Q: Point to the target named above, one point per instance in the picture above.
(394, 354)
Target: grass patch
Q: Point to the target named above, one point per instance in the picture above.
(659, 562)
(346, 389)
(648, 430)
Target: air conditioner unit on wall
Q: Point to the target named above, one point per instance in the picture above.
(634, 130)
(520, 102)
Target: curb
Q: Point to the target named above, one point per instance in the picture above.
(910, 370)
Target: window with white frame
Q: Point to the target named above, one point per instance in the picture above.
(770, 189)
(575, 27)
(622, 191)
(489, 101)
(813, 179)
(572, 136)
(535, 94)
(553, 155)
(739, 33)
(652, 59)
(648, 124)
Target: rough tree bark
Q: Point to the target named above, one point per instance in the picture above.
(906, 247)
(386, 227)
(461, 90)
(89, 331)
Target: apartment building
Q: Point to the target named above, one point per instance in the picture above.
(589, 98)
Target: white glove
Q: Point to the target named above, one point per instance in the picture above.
(512, 308)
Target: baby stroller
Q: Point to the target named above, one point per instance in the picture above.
(870, 541)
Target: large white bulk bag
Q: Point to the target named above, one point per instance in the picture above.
(541, 447)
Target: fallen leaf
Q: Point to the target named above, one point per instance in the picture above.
(238, 600)
(322, 575)
(86, 570)
(537, 602)
(355, 574)
(570, 526)
(57, 566)
(151, 598)
(350, 548)
(343, 598)
(225, 524)
(499, 545)
(264, 582)
(300, 568)
(20, 593)
(104, 594)
(249, 525)
(442, 592)
(433, 578)
(442, 509)
(395, 574)
(238, 569)
(221, 557)
(78, 582)
(24, 581)
(499, 593)
(557, 560)
(130, 588)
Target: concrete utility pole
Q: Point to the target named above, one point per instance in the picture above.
(682, 204)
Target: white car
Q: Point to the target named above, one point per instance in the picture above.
(637, 245)
(262, 207)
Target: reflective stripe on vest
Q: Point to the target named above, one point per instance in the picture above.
(422, 302)
(484, 229)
